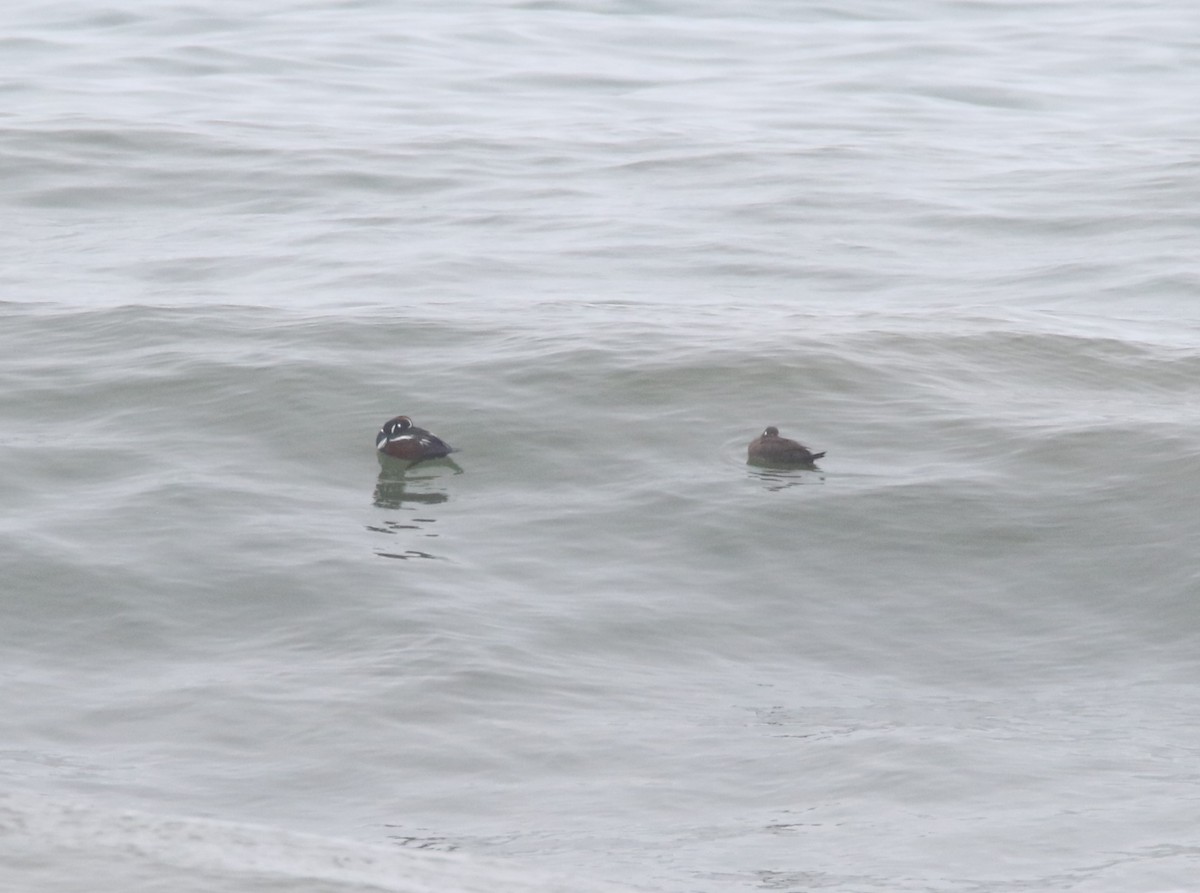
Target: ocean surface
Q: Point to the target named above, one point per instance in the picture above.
(598, 247)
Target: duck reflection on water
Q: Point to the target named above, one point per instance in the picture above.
(782, 478)
(395, 486)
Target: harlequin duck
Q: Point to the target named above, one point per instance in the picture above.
(771, 449)
(401, 439)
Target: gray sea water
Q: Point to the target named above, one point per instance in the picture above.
(598, 246)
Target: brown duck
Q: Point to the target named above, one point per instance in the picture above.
(771, 449)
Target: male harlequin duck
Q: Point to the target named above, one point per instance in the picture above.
(401, 439)
(771, 449)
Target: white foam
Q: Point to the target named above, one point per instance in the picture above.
(55, 847)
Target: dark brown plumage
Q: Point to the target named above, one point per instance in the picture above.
(771, 449)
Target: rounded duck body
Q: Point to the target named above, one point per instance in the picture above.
(771, 449)
(401, 439)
